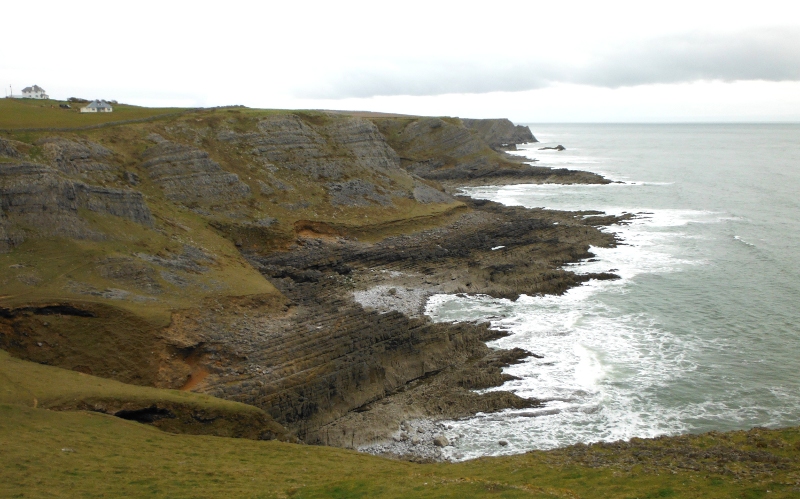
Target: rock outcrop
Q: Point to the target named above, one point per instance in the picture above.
(40, 199)
(447, 151)
(10, 148)
(85, 158)
(291, 256)
(189, 176)
(328, 355)
(356, 192)
(326, 149)
(500, 133)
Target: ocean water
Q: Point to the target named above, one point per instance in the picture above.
(702, 331)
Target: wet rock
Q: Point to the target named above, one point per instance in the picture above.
(440, 441)
(556, 148)
(502, 443)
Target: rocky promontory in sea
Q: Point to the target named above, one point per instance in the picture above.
(279, 259)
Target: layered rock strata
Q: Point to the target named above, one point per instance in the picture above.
(448, 151)
(500, 134)
(40, 199)
(327, 355)
(336, 347)
(330, 150)
(189, 176)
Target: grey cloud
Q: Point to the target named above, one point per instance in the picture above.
(772, 55)
(428, 78)
(764, 54)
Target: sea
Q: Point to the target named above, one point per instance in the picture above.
(702, 330)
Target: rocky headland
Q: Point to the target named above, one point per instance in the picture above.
(282, 260)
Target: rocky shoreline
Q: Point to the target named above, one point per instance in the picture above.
(282, 260)
(492, 249)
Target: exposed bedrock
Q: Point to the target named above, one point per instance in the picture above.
(84, 158)
(41, 199)
(449, 152)
(11, 148)
(344, 349)
(362, 139)
(492, 249)
(188, 175)
(350, 154)
(356, 192)
(326, 355)
(324, 150)
(500, 133)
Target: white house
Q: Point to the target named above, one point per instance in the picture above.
(97, 106)
(34, 92)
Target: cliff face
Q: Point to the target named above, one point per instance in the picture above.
(459, 152)
(225, 251)
(500, 133)
(39, 199)
(188, 176)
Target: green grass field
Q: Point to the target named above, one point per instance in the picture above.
(18, 114)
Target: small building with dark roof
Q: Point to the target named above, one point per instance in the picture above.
(97, 106)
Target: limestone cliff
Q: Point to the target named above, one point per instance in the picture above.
(459, 152)
(224, 252)
(500, 133)
(39, 200)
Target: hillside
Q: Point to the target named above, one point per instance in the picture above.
(262, 274)
(220, 251)
(80, 454)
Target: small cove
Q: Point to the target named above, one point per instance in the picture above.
(702, 331)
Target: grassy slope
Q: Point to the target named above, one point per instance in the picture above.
(32, 113)
(53, 263)
(33, 385)
(78, 454)
(30, 384)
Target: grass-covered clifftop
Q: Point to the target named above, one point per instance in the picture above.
(16, 114)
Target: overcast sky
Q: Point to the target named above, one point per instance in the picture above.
(529, 61)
